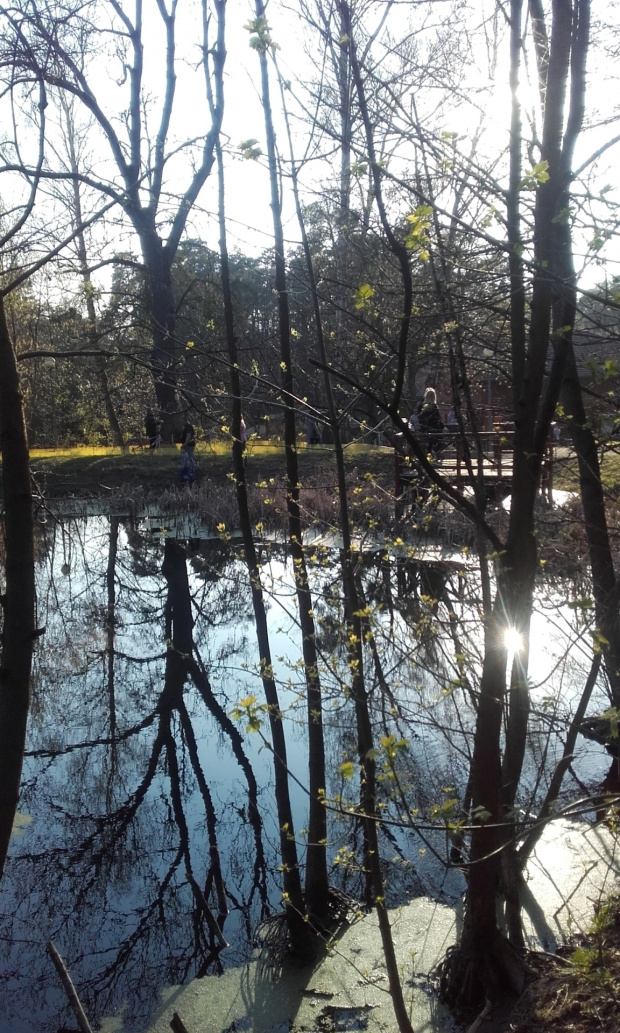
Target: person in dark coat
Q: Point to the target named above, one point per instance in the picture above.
(152, 427)
(312, 433)
(431, 423)
(188, 462)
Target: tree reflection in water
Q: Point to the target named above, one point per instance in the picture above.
(121, 865)
(153, 825)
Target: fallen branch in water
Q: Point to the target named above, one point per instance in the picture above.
(177, 1025)
(70, 990)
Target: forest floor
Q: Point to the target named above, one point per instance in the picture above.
(581, 993)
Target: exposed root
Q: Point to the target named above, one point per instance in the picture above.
(470, 980)
(273, 938)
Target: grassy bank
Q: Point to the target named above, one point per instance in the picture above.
(92, 471)
(97, 471)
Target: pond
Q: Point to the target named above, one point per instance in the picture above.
(142, 791)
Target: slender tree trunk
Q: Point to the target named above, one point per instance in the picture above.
(115, 430)
(563, 765)
(110, 622)
(343, 72)
(164, 355)
(356, 633)
(299, 930)
(368, 795)
(397, 247)
(18, 627)
(316, 863)
(604, 581)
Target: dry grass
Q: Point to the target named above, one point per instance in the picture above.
(89, 471)
(140, 478)
(582, 995)
(214, 501)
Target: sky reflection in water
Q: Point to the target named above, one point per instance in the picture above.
(137, 782)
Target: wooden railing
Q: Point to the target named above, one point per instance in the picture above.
(496, 455)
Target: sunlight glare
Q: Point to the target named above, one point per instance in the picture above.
(513, 640)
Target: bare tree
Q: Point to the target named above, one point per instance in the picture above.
(41, 44)
(486, 963)
(316, 871)
(84, 266)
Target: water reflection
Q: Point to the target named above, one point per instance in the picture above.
(133, 775)
(153, 832)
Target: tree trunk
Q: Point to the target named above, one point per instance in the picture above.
(164, 356)
(302, 940)
(110, 628)
(18, 631)
(484, 960)
(316, 863)
(604, 582)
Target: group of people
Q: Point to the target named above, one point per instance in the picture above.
(426, 422)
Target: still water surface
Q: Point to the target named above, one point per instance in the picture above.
(138, 782)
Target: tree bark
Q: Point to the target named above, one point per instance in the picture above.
(299, 930)
(115, 430)
(316, 863)
(18, 628)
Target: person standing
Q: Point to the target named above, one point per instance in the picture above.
(188, 461)
(243, 438)
(152, 427)
(414, 423)
(312, 433)
(431, 423)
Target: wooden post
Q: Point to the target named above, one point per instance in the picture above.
(497, 451)
(460, 455)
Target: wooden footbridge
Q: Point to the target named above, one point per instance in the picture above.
(493, 463)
